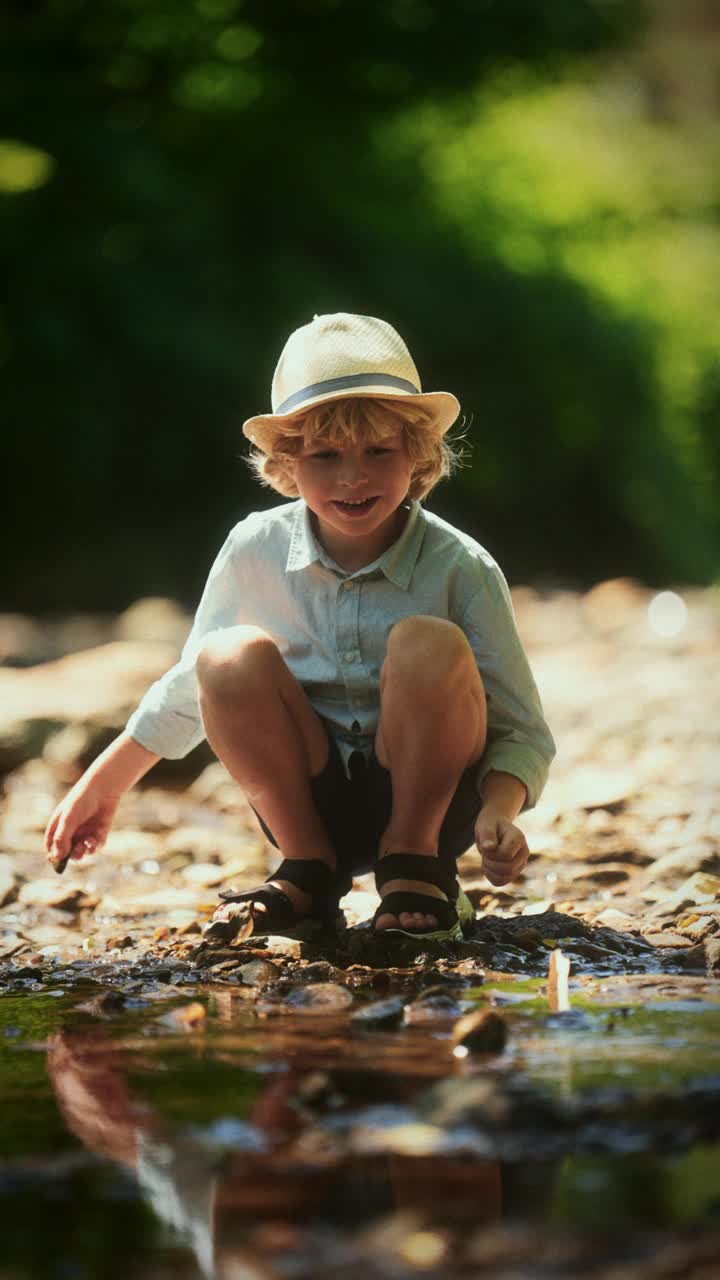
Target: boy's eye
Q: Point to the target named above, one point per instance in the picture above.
(324, 454)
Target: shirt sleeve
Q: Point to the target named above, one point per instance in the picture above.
(168, 721)
(518, 739)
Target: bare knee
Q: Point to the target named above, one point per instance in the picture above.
(234, 660)
(423, 646)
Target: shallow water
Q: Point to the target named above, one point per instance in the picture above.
(233, 1134)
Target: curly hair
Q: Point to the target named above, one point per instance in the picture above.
(353, 418)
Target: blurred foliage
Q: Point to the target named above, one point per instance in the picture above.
(182, 184)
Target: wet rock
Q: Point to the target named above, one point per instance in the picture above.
(224, 967)
(615, 919)
(683, 862)
(712, 956)
(28, 971)
(694, 957)
(381, 1014)
(698, 926)
(482, 1031)
(667, 938)
(697, 890)
(259, 973)
(47, 893)
(320, 998)
(322, 971)
(436, 1007)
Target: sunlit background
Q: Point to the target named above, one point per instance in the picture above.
(530, 193)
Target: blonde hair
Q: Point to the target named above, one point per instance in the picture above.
(348, 420)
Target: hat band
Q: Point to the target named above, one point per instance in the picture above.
(350, 381)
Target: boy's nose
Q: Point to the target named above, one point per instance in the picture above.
(353, 471)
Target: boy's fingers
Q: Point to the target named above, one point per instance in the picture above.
(501, 870)
(512, 843)
(503, 873)
(50, 832)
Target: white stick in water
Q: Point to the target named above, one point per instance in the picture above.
(558, 982)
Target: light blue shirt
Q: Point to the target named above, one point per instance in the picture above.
(332, 629)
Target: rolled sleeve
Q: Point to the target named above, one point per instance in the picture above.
(167, 720)
(518, 739)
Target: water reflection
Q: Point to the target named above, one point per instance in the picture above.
(218, 1188)
(311, 1171)
(237, 1136)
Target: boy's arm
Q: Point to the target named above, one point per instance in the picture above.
(81, 822)
(167, 719)
(519, 742)
(503, 794)
(501, 844)
(122, 764)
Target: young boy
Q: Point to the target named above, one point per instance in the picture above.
(353, 662)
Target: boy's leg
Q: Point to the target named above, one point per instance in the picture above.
(433, 726)
(261, 725)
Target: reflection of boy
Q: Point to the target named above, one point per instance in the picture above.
(213, 1196)
(354, 660)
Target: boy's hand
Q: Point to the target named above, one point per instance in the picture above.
(80, 824)
(502, 845)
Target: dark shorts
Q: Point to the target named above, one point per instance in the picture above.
(356, 810)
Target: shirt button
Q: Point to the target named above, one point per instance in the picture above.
(350, 655)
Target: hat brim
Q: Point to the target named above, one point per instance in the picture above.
(443, 407)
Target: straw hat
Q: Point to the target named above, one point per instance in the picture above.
(345, 355)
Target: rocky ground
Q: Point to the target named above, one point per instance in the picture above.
(385, 1069)
(625, 872)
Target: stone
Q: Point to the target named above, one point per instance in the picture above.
(482, 1031)
(63, 897)
(667, 938)
(700, 888)
(712, 956)
(671, 867)
(320, 998)
(259, 973)
(381, 1014)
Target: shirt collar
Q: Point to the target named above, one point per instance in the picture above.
(397, 563)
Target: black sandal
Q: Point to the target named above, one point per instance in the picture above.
(322, 918)
(451, 912)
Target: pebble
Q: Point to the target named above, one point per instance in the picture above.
(259, 973)
(381, 1013)
(482, 1031)
(321, 998)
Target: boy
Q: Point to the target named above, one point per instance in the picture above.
(353, 661)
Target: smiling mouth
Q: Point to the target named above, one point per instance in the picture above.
(355, 508)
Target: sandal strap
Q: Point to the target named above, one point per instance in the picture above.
(404, 900)
(277, 902)
(416, 866)
(311, 874)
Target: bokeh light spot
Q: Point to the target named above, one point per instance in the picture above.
(23, 168)
(423, 1249)
(667, 614)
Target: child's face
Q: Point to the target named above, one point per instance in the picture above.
(355, 492)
